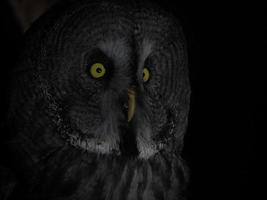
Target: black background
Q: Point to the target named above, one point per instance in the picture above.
(226, 71)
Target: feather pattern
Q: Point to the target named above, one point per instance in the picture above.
(73, 140)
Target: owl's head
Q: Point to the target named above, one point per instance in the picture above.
(114, 74)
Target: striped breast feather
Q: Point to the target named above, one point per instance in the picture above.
(68, 175)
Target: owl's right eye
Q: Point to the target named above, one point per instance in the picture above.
(97, 70)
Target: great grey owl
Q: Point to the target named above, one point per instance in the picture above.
(100, 103)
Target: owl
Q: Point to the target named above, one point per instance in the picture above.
(100, 103)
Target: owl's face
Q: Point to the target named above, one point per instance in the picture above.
(119, 75)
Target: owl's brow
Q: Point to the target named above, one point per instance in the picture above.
(117, 49)
(145, 50)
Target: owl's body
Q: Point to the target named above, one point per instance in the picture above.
(74, 139)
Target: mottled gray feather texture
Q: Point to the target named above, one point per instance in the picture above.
(73, 138)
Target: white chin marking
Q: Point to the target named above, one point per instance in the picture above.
(93, 145)
(146, 149)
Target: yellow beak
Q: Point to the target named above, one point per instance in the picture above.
(131, 103)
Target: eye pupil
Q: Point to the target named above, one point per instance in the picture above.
(98, 70)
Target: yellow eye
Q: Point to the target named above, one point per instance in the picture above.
(97, 70)
(146, 74)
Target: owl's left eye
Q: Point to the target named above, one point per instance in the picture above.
(146, 74)
(97, 70)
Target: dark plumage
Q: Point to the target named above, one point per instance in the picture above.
(73, 140)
